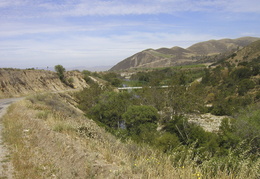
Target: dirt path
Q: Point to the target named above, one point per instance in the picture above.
(6, 168)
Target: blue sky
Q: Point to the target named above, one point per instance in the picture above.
(41, 33)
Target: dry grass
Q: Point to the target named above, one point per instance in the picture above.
(50, 139)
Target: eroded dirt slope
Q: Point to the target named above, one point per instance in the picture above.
(15, 82)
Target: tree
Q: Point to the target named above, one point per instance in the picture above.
(152, 96)
(178, 125)
(139, 118)
(241, 73)
(88, 97)
(241, 134)
(167, 142)
(60, 71)
(245, 85)
(110, 108)
(113, 78)
(206, 76)
(181, 100)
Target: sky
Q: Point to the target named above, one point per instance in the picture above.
(73, 33)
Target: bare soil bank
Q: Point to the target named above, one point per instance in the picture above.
(16, 82)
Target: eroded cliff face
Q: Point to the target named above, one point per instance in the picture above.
(15, 82)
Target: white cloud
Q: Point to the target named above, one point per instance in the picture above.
(241, 6)
(11, 3)
(89, 50)
(16, 29)
(42, 32)
(41, 8)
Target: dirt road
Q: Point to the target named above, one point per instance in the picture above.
(6, 167)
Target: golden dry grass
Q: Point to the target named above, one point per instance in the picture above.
(50, 139)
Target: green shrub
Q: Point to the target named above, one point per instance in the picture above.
(110, 107)
(60, 71)
(137, 115)
(245, 85)
(141, 122)
(241, 73)
(167, 142)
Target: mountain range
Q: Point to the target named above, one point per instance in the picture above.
(203, 52)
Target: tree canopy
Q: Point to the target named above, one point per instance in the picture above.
(60, 71)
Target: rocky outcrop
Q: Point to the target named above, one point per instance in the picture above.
(16, 82)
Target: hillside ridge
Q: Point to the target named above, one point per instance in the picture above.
(246, 54)
(165, 57)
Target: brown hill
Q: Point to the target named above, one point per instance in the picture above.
(165, 57)
(155, 58)
(220, 46)
(16, 82)
(248, 53)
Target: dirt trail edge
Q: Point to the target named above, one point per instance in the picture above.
(6, 168)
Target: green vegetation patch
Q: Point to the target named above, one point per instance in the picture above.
(156, 116)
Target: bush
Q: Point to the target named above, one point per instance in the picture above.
(144, 133)
(110, 107)
(245, 85)
(139, 119)
(70, 82)
(167, 142)
(60, 71)
(88, 97)
(113, 78)
(137, 115)
(241, 73)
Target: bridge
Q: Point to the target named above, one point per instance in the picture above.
(139, 87)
